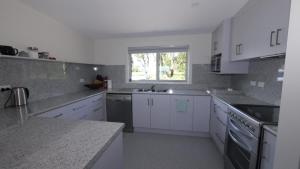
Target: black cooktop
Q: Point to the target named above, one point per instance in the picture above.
(261, 113)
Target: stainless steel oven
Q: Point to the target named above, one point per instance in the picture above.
(241, 147)
(243, 137)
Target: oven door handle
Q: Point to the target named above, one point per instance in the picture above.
(239, 142)
(235, 127)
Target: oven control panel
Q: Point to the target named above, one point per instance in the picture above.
(244, 122)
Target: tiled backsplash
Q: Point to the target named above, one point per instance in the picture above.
(202, 78)
(44, 79)
(261, 70)
(47, 79)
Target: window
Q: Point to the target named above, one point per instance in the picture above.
(158, 64)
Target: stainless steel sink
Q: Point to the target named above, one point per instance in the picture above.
(152, 91)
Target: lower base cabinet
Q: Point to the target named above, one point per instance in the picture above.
(112, 158)
(218, 123)
(92, 108)
(171, 112)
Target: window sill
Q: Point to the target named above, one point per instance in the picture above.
(159, 82)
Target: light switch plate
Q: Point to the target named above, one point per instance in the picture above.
(252, 83)
(261, 84)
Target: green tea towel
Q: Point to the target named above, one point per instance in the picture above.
(181, 105)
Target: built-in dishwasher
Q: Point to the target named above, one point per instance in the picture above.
(119, 109)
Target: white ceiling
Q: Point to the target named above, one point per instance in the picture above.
(125, 18)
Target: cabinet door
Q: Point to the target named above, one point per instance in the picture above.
(261, 28)
(160, 112)
(273, 26)
(201, 113)
(141, 110)
(182, 113)
(268, 152)
(97, 108)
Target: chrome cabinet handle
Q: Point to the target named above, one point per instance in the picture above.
(240, 46)
(271, 39)
(57, 116)
(277, 37)
(237, 50)
(148, 101)
(78, 108)
(152, 102)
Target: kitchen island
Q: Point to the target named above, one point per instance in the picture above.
(60, 144)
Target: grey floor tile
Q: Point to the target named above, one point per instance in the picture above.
(155, 151)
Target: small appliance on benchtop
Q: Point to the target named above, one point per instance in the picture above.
(18, 97)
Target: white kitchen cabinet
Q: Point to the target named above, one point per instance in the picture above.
(160, 112)
(171, 113)
(201, 114)
(182, 113)
(112, 157)
(141, 110)
(92, 108)
(268, 150)
(260, 29)
(221, 42)
(151, 111)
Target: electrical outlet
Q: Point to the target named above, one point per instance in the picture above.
(81, 80)
(261, 84)
(279, 79)
(5, 87)
(252, 83)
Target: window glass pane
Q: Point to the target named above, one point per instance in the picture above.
(143, 66)
(173, 66)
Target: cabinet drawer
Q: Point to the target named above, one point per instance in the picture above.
(221, 105)
(220, 131)
(220, 144)
(221, 115)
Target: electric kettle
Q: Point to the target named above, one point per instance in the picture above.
(18, 97)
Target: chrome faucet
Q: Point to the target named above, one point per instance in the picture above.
(152, 88)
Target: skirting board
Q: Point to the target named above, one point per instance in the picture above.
(172, 132)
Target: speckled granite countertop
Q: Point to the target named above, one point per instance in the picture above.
(45, 105)
(45, 143)
(271, 128)
(169, 92)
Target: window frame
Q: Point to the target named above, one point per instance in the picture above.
(158, 51)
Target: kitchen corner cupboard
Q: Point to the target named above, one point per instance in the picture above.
(260, 29)
(171, 112)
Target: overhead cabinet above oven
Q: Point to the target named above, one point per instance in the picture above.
(260, 29)
(220, 61)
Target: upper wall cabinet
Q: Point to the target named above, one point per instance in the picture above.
(221, 60)
(260, 29)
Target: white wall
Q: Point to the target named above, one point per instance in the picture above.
(21, 26)
(115, 51)
(288, 144)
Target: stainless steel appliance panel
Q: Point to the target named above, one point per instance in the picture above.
(119, 109)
